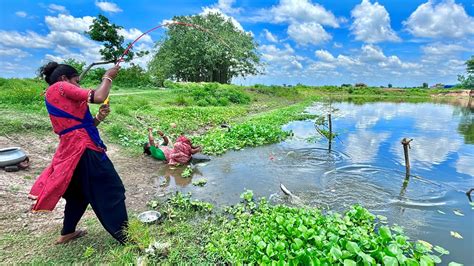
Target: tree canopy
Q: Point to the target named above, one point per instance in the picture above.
(103, 31)
(468, 80)
(213, 51)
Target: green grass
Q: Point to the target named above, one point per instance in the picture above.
(194, 233)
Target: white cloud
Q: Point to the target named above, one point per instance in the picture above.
(134, 33)
(28, 40)
(15, 69)
(57, 8)
(372, 53)
(68, 23)
(13, 52)
(21, 14)
(226, 7)
(280, 60)
(69, 39)
(301, 11)
(270, 36)
(372, 23)
(443, 48)
(443, 20)
(308, 33)
(325, 55)
(108, 7)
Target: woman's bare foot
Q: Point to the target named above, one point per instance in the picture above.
(32, 197)
(69, 237)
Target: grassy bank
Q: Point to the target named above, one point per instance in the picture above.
(193, 232)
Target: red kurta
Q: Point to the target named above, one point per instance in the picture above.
(54, 180)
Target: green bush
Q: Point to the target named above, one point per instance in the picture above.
(133, 76)
(273, 90)
(21, 91)
(278, 235)
(207, 94)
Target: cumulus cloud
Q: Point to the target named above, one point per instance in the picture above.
(270, 36)
(28, 40)
(68, 23)
(13, 52)
(21, 14)
(301, 11)
(443, 49)
(372, 23)
(324, 55)
(308, 33)
(280, 60)
(226, 7)
(108, 7)
(443, 20)
(133, 33)
(306, 20)
(53, 8)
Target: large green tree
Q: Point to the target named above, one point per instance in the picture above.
(213, 51)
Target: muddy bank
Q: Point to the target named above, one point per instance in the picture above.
(136, 174)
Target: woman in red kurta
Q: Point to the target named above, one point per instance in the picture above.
(80, 170)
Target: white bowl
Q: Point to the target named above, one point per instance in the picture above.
(149, 216)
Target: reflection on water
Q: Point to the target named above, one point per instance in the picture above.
(365, 166)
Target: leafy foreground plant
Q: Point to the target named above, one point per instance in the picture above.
(264, 234)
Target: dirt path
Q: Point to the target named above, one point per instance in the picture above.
(136, 174)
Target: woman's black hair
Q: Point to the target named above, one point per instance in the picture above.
(52, 71)
(146, 148)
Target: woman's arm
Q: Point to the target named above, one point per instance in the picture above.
(102, 92)
(151, 140)
(165, 138)
(196, 150)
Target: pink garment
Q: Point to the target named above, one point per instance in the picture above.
(180, 153)
(54, 180)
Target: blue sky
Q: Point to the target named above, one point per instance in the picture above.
(403, 42)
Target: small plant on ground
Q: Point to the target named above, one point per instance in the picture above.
(200, 183)
(187, 172)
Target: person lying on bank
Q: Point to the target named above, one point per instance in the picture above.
(181, 152)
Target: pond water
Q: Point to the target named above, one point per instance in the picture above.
(365, 166)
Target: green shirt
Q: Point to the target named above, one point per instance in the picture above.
(157, 153)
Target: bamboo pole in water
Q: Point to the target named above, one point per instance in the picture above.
(330, 131)
(406, 146)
